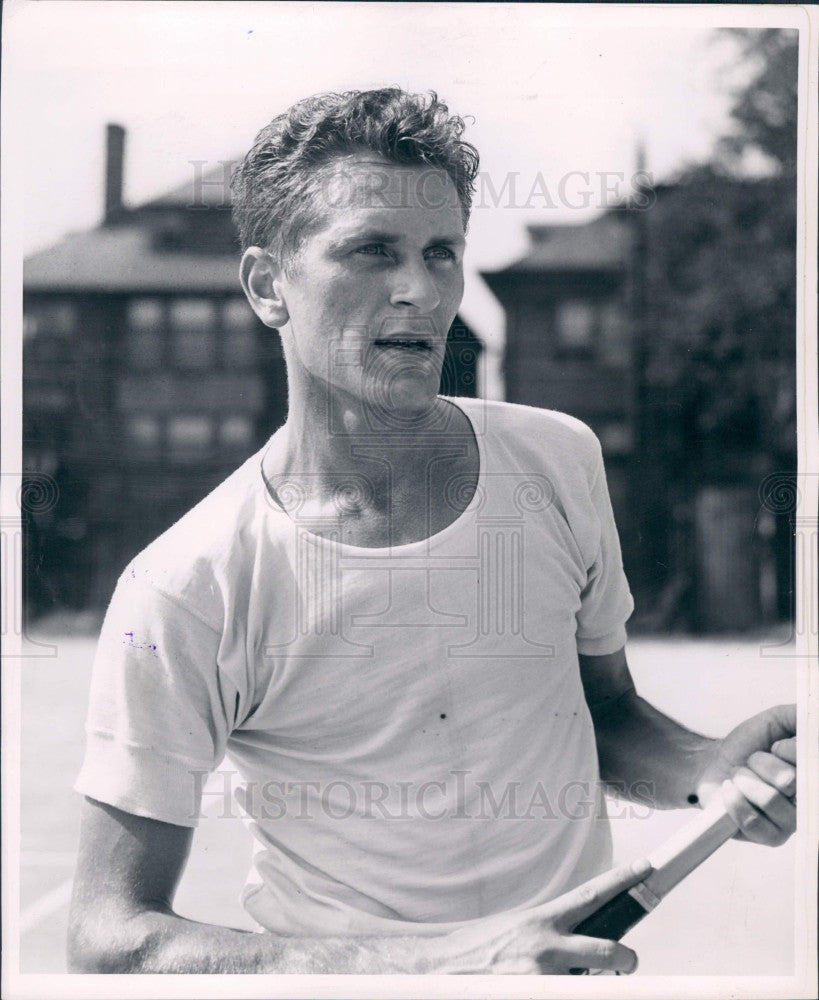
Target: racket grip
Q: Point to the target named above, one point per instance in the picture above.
(614, 919)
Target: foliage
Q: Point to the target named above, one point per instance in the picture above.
(764, 111)
(720, 271)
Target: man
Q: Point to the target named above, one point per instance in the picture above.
(403, 620)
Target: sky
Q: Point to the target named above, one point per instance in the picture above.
(557, 97)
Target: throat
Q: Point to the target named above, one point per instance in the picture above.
(380, 493)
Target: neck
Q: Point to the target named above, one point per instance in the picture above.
(380, 480)
(330, 434)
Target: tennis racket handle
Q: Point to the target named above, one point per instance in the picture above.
(613, 919)
(671, 863)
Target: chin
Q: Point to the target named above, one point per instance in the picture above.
(402, 401)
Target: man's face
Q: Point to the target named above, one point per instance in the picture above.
(375, 287)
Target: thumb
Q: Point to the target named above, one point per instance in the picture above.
(785, 749)
(785, 722)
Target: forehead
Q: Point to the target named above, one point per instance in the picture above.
(364, 189)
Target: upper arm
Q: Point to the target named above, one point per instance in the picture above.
(126, 864)
(605, 601)
(161, 709)
(606, 679)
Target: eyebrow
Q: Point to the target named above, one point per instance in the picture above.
(378, 236)
(454, 240)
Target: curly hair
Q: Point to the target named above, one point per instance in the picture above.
(274, 188)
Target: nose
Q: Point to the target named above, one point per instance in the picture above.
(413, 285)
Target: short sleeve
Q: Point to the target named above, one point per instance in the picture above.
(159, 712)
(606, 601)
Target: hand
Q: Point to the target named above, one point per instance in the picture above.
(540, 941)
(754, 770)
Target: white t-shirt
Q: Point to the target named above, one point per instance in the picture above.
(408, 723)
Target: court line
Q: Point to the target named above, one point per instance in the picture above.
(45, 906)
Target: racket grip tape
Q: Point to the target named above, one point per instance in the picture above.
(614, 919)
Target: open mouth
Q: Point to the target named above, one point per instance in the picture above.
(404, 343)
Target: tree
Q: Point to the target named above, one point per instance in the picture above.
(718, 325)
(765, 108)
(722, 277)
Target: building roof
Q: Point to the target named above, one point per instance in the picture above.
(601, 245)
(123, 258)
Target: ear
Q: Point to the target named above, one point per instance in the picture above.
(261, 279)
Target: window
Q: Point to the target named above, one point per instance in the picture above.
(47, 350)
(144, 348)
(190, 432)
(194, 349)
(616, 438)
(193, 332)
(192, 314)
(239, 348)
(237, 315)
(144, 334)
(236, 432)
(143, 431)
(240, 325)
(144, 314)
(614, 336)
(575, 324)
(57, 319)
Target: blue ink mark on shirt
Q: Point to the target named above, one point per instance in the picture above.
(139, 645)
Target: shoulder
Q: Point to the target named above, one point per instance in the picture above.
(554, 436)
(200, 558)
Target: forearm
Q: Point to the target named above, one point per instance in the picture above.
(644, 753)
(159, 941)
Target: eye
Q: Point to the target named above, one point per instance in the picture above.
(371, 249)
(440, 253)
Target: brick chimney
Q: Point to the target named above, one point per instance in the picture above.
(114, 166)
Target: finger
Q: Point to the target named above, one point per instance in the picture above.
(750, 822)
(786, 749)
(781, 722)
(593, 953)
(753, 824)
(775, 771)
(767, 800)
(581, 902)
